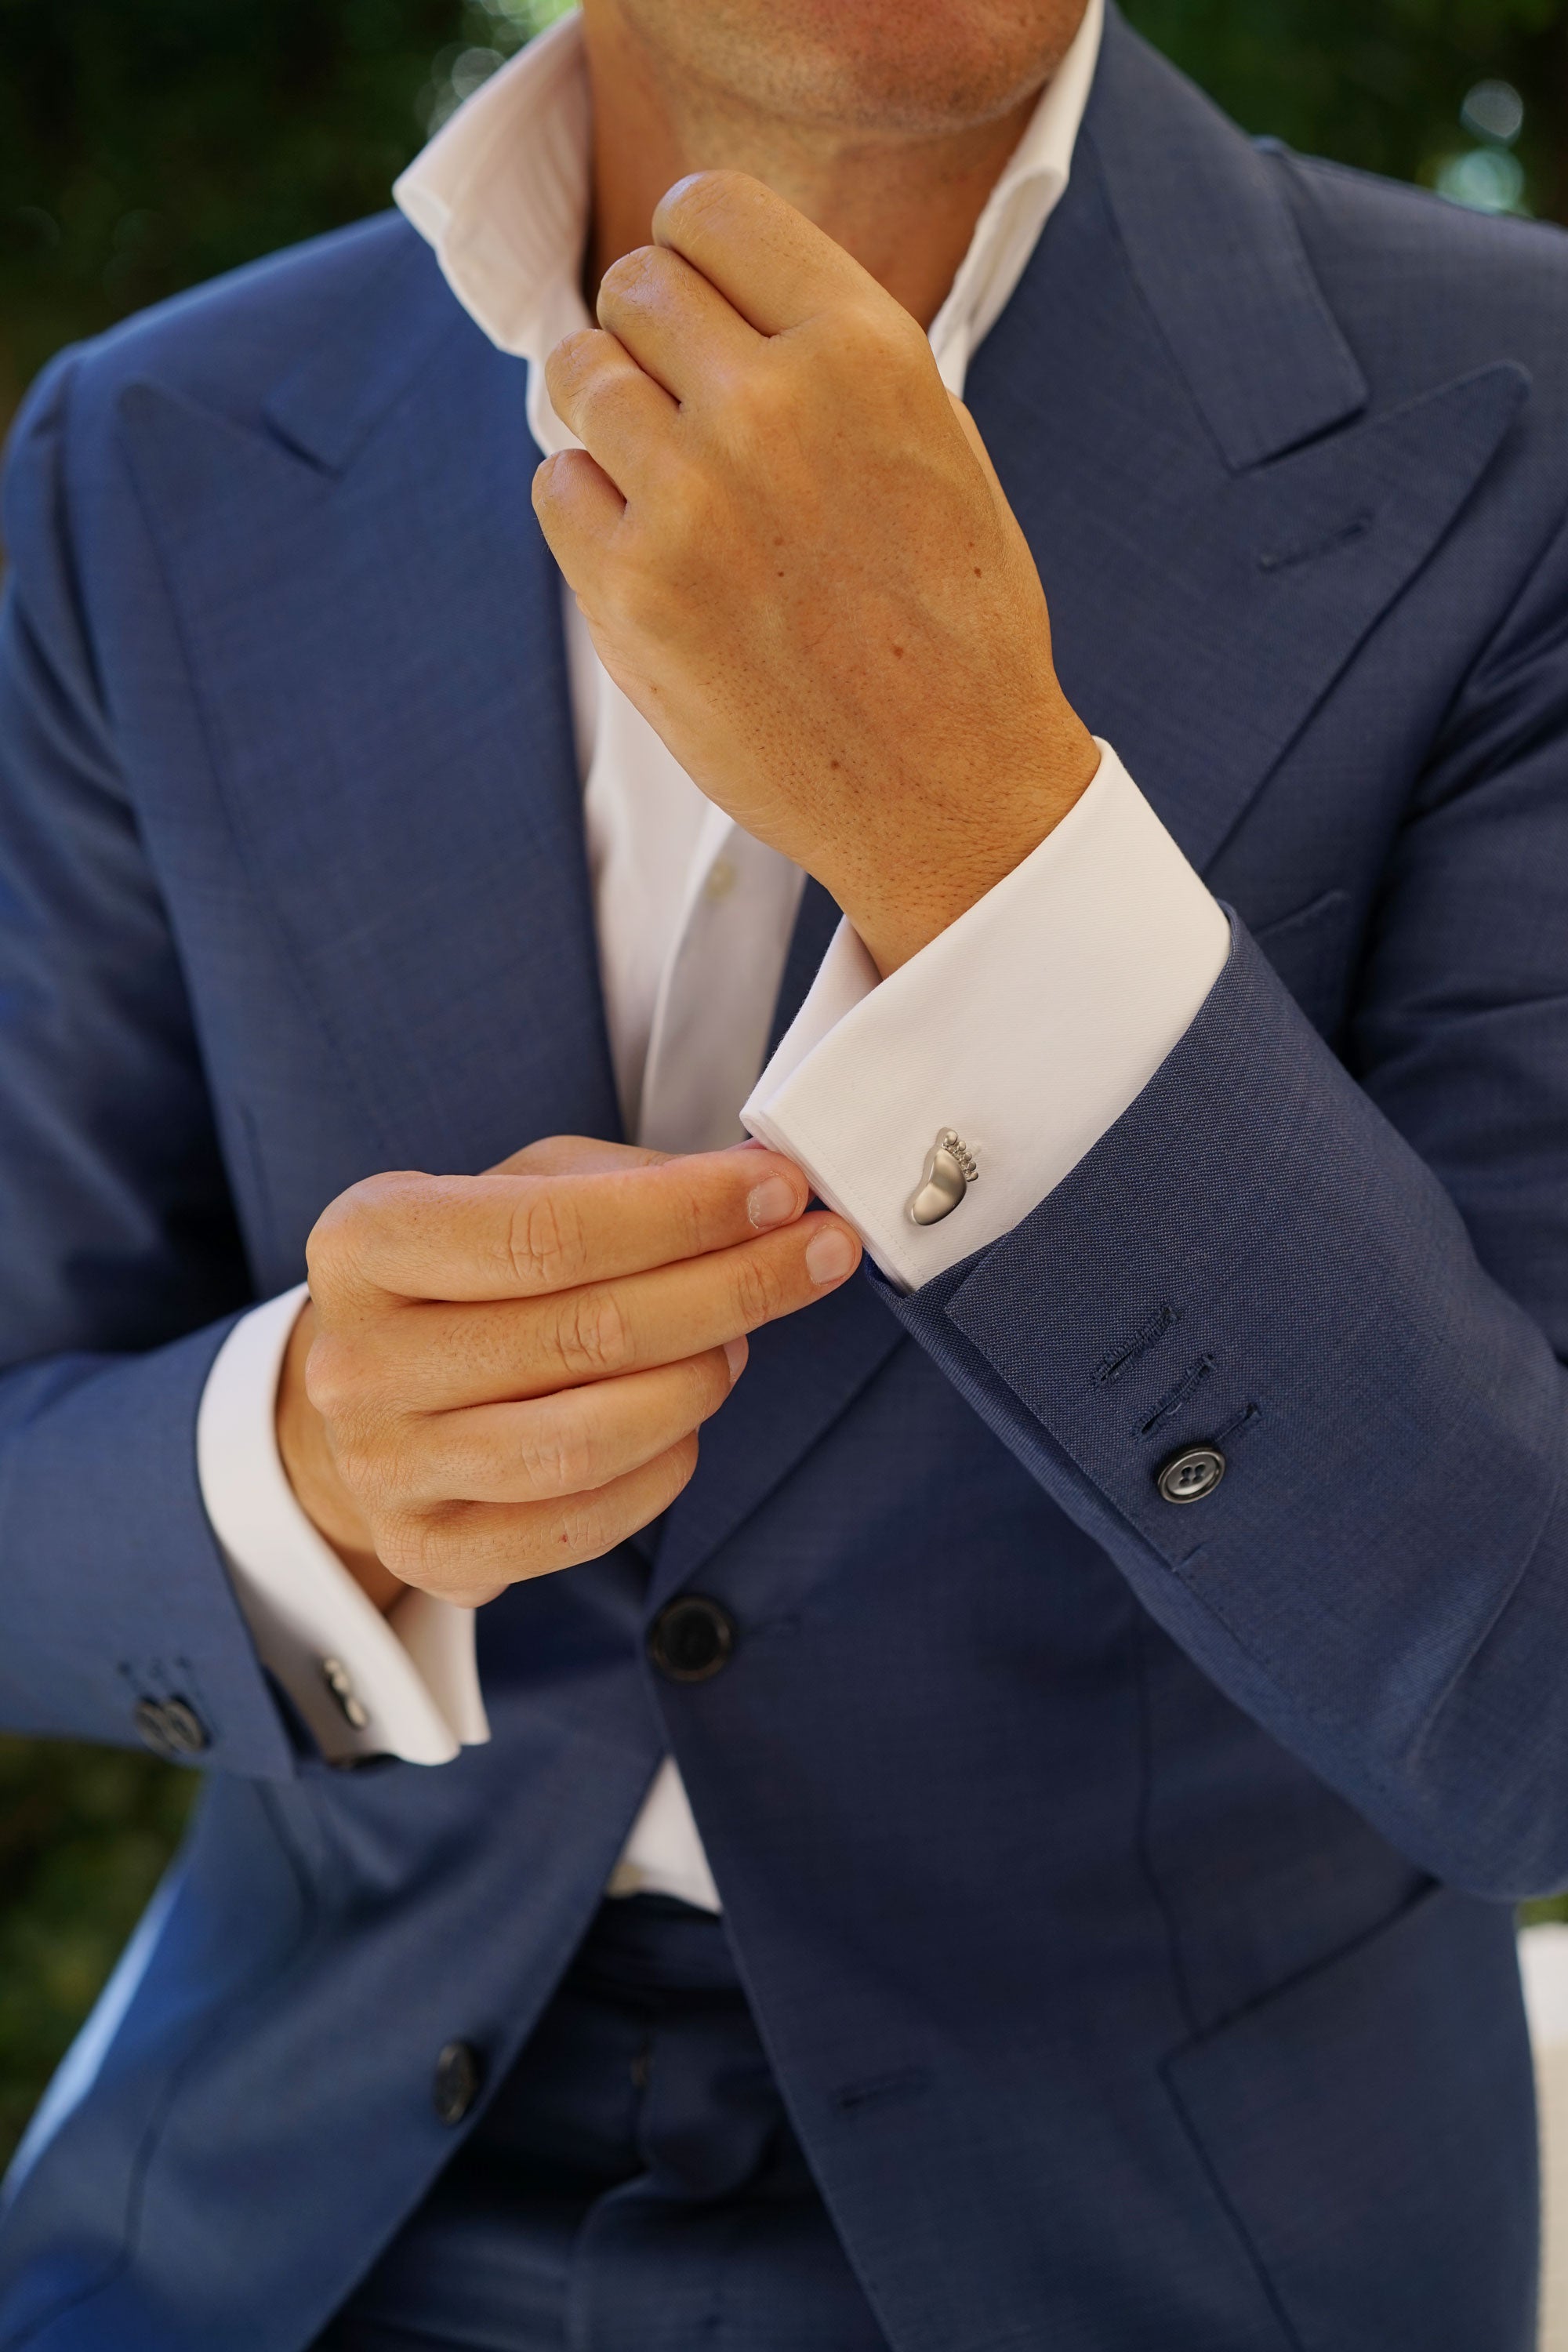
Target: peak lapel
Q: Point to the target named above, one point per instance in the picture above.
(1204, 226)
(1183, 433)
(374, 633)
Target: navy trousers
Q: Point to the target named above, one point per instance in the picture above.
(634, 2186)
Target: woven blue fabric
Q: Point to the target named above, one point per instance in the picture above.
(634, 2185)
(1121, 1890)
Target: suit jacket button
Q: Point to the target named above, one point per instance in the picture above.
(171, 1728)
(459, 2075)
(691, 1639)
(1187, 1478)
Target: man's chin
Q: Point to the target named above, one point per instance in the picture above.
(901, 68)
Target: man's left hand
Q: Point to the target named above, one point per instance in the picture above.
(794, 557)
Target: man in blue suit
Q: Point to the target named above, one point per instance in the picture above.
(1063, 1749)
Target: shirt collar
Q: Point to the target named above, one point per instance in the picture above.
(501, 193)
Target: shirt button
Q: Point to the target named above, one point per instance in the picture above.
(691, 1639)
(459, 2075)
(1188, 1477)
(171, 1728)
(721, 880)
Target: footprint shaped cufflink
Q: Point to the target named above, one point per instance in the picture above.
(948, 1173)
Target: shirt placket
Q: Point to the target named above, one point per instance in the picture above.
(715, 1006)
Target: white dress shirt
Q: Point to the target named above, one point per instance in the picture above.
(1027, 1027)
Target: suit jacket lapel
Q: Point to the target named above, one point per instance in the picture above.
(373, 629)
(1183, 433)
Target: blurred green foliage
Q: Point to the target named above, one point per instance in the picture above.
(145, 144)
(1381, 83)
(84, 1834)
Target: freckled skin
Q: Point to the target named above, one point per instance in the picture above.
(794, 557)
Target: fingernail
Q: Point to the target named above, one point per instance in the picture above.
(735, 1351)
(829, 1255)
(773, 1203)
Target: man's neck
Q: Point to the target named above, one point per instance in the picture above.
(905, 205)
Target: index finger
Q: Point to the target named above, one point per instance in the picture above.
(773, 265)
(505, 1236)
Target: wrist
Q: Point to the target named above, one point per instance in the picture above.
(906, 893)
(306, 1457)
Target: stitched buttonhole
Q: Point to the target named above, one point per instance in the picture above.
(1177, 1395)
(1125, 1354)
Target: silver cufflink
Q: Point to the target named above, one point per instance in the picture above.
(335, 1674)
(949, 1171)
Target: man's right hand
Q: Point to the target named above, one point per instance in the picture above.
(501, 1375)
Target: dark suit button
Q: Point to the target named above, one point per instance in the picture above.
(171, 1728)
(459, 2075)
(1188, 1477)
(691, 1639)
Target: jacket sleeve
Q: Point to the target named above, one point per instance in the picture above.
(123, 1265)
(1350, 1277)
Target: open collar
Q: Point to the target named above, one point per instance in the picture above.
(501, 195)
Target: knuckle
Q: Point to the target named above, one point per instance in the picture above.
(868, 347)
(681, 1459)
(594, 397)
(333, 1381)
(581, 1530)
(335, 1239)
(558, 1456)
(703, 196)
(756, 400)
(437, 1549)
(599, 389)
(544, 1239)
(588, 1525)
(696, 1218)
(757, 1291)
(876, 326)
(414, 1546)
(358, 1464)
(626, 278)
(350, 1234)
(573, 356)
(548, 482)
(592, 1337)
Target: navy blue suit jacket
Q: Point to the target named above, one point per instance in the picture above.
(1121, 1889)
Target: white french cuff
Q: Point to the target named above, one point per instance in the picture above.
(1027, 1028)
(403, 1685)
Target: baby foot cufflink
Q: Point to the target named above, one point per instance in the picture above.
(948, 1173)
